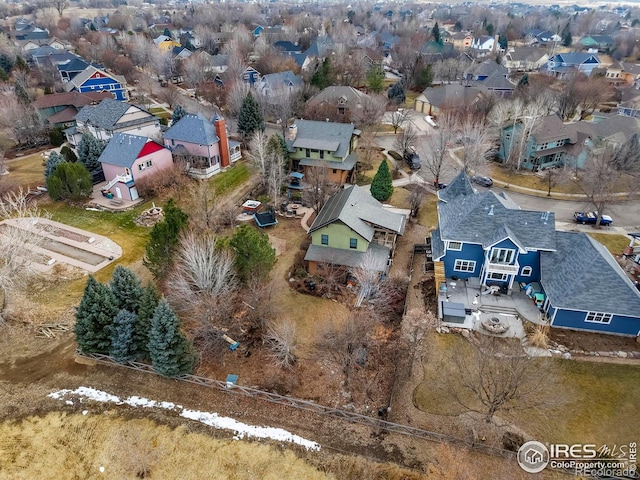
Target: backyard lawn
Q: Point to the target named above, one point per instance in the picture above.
(615, 243)
(26, 171)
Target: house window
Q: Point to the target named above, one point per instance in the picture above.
(457, 246)
(353, 243)
(502, 255)
(148, 164)
(465, 266)
(308, 153)
(526, 271)
(321, 153)
(335, 170)
(544, 146)
(597, 317)
(497, 276)
(173, 142)
(324, 239)
(140, 167)
(342, 110)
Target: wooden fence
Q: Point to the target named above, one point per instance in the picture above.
(312, 407)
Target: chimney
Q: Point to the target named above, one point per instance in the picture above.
(221, 131)
(496, 46)
(293, 131)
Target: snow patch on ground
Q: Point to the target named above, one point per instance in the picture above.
(208, 418)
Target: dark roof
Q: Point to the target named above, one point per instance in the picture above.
(75, 65)
(196, 129)
(574, 58)
(437, 245)
(551, 128)
(582, 275)
(497, 81)
(87, 73)
(531, 54)
(486, 218)
(282, 79)
(357, 209)
(352, 96)
(123, 149)
(77, 99)
(459, 187)
(106, 114)
(331, 136)
(287, 46)
(487, 68)
(348, 163)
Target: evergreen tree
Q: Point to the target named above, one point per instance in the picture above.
(489, 28)
(89, 150)
(21, 93)
(375, 79)
(424, 77)
(436, 34)
(457, 27)
(503, 41)
(322, 76)
(382, 186)
(171, 353)
(164, 238)
(250, 119)
(53, 161)
(142, 328)
(125, 285)
(122, 346)
(167, 33)
(254, 254)
(396, 93)
(177, 114)
(56, 136)
(70, 181)
(21, 64)
(6, 62)
(94, 317)
(567, 39)
(68, 154)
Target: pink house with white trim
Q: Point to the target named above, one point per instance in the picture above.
(130, 157)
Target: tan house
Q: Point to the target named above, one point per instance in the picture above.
(525, 59)
(436, 99)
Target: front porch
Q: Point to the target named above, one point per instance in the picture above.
(478, 308)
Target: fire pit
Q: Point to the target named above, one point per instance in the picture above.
(495, 325)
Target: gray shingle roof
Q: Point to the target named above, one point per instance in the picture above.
(315, 133)
(437, 245)
(349, 258)
(451, 95)
(532, 54)
(348, 163)
(582, 275)
(459, 186)
(486, 217)
(357, 209)
(79, 79)
(331, 94)
(123, 149)
(106, 114)
(193, 129)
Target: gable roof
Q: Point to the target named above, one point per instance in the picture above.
(352, 96)
(123, 149)
(487, 68)
(86, 74)
(281, 79)
(451, 95)
(77, 99)
(358, 210)
(106, 114)
(486, 217)
(287, 47)
(582, 275)
(531, 54)
(331, 136)
(574, 58)
(193, 129)
(496, 81)
(459, 187)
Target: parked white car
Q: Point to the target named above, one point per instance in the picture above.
(429, 119)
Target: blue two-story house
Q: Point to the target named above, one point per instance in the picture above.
(564, 64)
(93, 79)
(484, 238)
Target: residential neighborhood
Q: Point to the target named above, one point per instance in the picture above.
(319, 240)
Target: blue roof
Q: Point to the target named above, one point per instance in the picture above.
(193, 129)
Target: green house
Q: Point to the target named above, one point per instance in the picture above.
(352, 230)
(328, 145)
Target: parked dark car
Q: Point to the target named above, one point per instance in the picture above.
(412, 158)
(591, 218)
(439, 185)
(482, 180)
(97, 176)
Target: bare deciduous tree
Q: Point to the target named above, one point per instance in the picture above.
(473, 135)
(281, 340)
(259, 155)
(398, 120)
(494, 375)
(202, 284)
(318, 188)
(406, 139)
(60, 5)
(436, 149)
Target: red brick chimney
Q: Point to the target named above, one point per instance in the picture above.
(221, 132)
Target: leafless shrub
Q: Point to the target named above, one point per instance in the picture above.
(134, 452)
(540, 336)
(158, 183)
(281, 340)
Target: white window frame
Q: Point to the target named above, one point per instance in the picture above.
(497, 276)
(511, 253)
(526, 271)
(599, 317)
(468, 266)
(452, 245)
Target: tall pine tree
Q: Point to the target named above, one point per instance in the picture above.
(177, 114)
(436, 34)
(382, 184)
(89, 150)
(164, 238)
(250, 119)
(171, 353)
(254, 254)
(126, 286)
(122, 346)
(53, 161)
(142, 328)
(94, 317)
